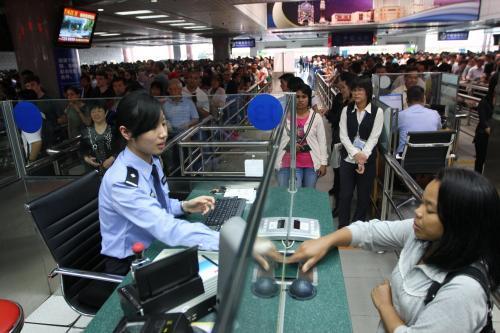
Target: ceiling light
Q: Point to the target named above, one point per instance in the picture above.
(150, 17)
(181, 24)
(134, 12)
(100, 33)
(100, 9)
(196, 27)
(203, 29)
(111, 34)
(171, 21)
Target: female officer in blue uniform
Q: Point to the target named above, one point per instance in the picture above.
(134, 205)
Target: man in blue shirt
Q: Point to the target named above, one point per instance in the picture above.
(416, 118)
(180, 111)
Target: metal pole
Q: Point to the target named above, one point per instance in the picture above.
(293, 140)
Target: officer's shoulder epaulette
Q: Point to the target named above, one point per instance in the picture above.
(132, 177)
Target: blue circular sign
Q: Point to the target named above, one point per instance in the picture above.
(27, 117)
(265, 112)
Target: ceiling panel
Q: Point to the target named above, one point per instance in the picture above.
(219, 15)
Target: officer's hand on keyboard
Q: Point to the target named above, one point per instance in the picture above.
(203, 204)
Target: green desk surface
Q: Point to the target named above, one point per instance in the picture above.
(327, 312)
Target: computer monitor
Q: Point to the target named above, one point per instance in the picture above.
(440, 108)
(231, 235)
(394, 101)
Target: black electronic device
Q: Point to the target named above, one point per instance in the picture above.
(302, 290)
(225, 208)
(167, 322)
(158, 276)
(265, 287)
(77, 28)
(288, 272)
(163, 285)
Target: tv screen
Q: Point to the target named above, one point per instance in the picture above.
(77, 28)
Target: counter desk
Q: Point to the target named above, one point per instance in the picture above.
(328, 311)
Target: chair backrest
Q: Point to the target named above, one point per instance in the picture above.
(427, 152)
(68, 221)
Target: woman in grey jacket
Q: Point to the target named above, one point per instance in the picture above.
(455, 227)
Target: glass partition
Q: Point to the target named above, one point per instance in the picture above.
(8, 171)
(77, 135)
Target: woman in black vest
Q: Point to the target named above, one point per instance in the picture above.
(344, 83)
(361, 123)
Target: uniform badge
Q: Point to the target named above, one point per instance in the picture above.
(132, 177)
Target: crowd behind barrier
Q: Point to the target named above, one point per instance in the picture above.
(203, 88)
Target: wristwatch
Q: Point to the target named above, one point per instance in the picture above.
(182, 207)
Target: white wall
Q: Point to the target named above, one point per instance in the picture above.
(475, 43)
(96, 55)
(7, 60)
(490, 9)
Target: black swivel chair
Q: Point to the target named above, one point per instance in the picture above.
(426, 153)
(68, 221)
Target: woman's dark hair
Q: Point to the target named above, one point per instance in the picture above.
(468, 207)
(73, 89)
(158, 85)
(348, 78)
(139, 113)
(294, 83)
(305, 89)
(365, 84)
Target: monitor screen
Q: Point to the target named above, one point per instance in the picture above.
(394, 101)
(77, 28)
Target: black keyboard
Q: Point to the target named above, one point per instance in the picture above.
(225, 208)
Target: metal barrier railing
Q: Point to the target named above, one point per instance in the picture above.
(326, 93)
(393, 167)
(64, 157)
(214, 131)
(193, 160)
(225, 116)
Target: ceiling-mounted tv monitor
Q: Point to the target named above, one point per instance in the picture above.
(77, 28)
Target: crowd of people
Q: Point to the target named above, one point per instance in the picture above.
(356, 123)
(188, 90)
(165, 98)
(474, 67)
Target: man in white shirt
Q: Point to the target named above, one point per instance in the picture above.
(476, 72)
(410, 79)
(199, 97)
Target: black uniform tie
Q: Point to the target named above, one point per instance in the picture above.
(159, 191)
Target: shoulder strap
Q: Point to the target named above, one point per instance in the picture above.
(132, 177)
(308, 127)
(477, 275)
